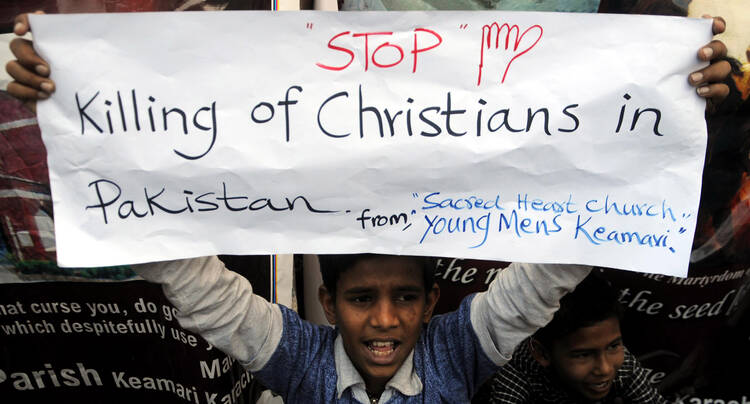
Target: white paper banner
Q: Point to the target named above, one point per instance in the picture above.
(533, 137)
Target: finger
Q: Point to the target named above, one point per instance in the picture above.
(715, 92)
(25, 77)
(24, 92)
(714, 50)
(715, 72)
(21, 23)
(23, 49)
(719, 24)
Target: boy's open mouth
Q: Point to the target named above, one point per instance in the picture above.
(382, 348)
(601, 387)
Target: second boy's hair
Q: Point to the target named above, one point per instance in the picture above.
(593, 300)
(331, 267)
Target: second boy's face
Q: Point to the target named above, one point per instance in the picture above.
(588, 359)
(379, 308)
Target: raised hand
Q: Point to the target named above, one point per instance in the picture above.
(709, 80)
(29, 71)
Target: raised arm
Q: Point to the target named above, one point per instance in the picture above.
(522, 299)
(219, 304)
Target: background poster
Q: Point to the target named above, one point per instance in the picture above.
(114, 342)
(692, 333)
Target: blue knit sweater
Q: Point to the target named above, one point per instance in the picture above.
(447, 358)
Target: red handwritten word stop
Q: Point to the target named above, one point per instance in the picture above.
(384, 50)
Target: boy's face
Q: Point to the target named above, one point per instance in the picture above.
(588, 359)
(379, 307)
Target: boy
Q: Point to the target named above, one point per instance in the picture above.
(579, 357)
(380, 351)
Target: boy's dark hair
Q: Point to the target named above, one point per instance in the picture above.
(593, 300)
(331, 267)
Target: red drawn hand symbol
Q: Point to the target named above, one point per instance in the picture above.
(511, 46)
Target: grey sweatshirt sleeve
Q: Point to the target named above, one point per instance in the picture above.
(219, 305)
(522, 299)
